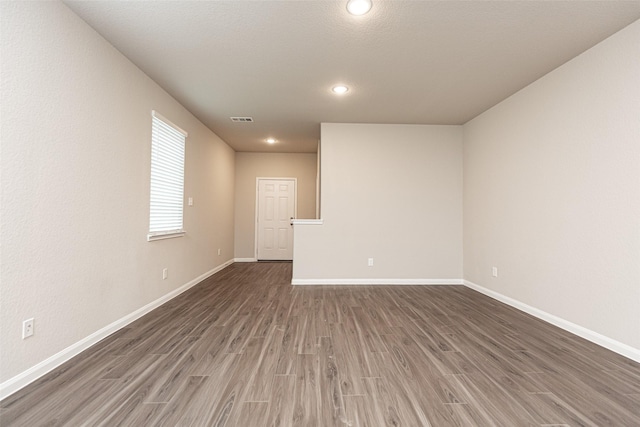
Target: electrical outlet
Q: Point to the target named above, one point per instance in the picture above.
(370, 262)
(27, 328)
(165, 273)
(494, 271)
(190, 201)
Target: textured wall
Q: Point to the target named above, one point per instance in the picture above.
(248, 167)
(389, 192)
(76, 135)
(552, 192)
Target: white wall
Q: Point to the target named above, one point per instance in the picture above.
(248, 167)
(75, 138)
(389, 192)
(552, 193)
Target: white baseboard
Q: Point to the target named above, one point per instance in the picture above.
(603, 341)
(25, 378)
(245, 260)
(399, 282)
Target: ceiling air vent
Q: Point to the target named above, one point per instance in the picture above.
(242, 119)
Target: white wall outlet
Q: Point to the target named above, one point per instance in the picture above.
(219, 251)
(27, 328)
(494, 271)
(165, 273)
(370, 262)
(190, 201)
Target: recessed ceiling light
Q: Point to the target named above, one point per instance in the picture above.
(271, 140)
(359, 7)
(340, 89)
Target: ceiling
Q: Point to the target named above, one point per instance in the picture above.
(410, 62)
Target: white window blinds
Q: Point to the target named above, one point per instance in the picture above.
(167, 179)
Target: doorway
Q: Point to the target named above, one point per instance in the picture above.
(275, 208)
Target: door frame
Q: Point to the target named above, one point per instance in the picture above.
(295, 205)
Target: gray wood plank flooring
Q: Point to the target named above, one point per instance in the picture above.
(245, 348)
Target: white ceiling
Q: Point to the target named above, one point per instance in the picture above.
(424, 62)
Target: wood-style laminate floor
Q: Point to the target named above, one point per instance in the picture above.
(245, 348)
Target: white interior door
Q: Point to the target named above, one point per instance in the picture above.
(276, 206)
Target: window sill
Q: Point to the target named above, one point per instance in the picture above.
(168, 235)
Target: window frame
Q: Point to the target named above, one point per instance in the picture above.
(156, 146)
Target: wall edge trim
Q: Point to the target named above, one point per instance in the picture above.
(245, 260)
(592, 336)
(307, 221)
(395, 282)
(25, 378)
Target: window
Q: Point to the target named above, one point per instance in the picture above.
(167, 179)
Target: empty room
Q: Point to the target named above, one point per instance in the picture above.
(319, 213)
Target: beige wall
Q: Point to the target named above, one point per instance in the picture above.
(76, 135)
(389, 192)
(552, 193)
(248, 167)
